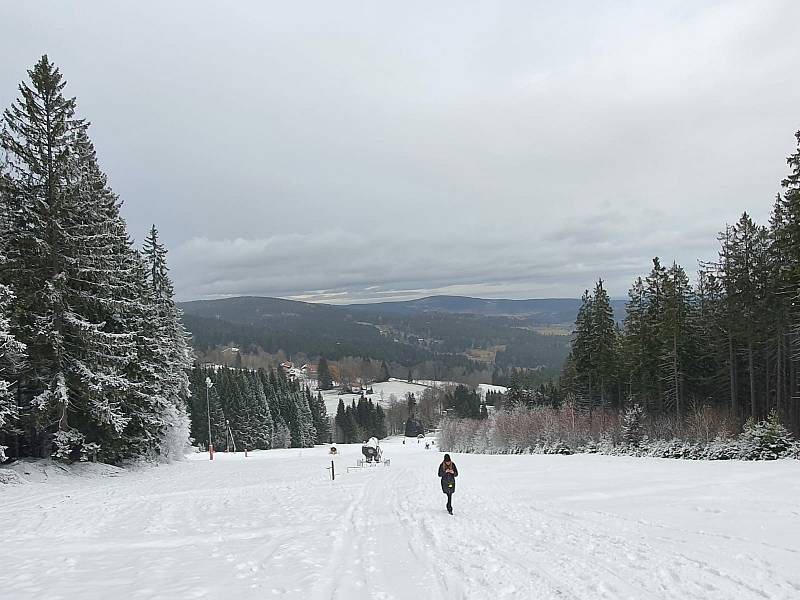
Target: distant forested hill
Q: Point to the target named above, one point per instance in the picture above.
(469, 333)
(546, 311)
(273, 324)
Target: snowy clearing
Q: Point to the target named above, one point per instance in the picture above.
(399, 387)
(381, 393)
(274, 525)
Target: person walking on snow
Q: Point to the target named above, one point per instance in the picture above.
(448, 473)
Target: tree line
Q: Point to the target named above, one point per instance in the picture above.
(359, 421)
(730, 341)
(255, 409)
(93, 355)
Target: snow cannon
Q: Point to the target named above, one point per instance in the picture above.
(371, 450)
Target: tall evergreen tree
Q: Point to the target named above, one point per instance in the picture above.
(175, 357)
(786, 251)
(604, 345)
(324, 379)
(595, 349)
(319, 417)
(342, 424)
(654, 337)
(72, 267)
(11, 355)
(581, 358)
(634, 343)
(384, 372)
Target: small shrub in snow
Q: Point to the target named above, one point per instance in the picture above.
(557, 447)
(71, 446)
(632, 431)
(722, 448)
(89, 451)
(705, 425)
(606, 445)
(68, 445)
(675, 448)
(591, 447)
(765, 440)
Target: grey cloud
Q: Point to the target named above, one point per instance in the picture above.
(340, 152)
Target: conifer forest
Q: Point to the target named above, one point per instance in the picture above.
(729, 340)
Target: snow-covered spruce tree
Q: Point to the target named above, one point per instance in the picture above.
(308, 434)
(175, 355)
(632, 431)
(38, 132)
(108, 283)
(319, 417)
(268, 381)
(11, 354)
(340, 423)
(294, 410)
(66, 254)
(263, 426)
(282, 437)
(765, 440)
(252, 427)
(287, 406)
(79, 306)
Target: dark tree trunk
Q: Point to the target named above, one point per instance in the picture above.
(732, 371)
(752, 373)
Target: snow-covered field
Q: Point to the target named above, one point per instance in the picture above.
(381, 393)
(274, 525)
(397, 387)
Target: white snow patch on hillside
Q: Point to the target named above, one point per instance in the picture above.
(487, 387)
(399, 387)
(274, 525)
(381, 393)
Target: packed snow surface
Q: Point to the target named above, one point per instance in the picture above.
(274, 525)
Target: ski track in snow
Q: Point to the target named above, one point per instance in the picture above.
(274, 526)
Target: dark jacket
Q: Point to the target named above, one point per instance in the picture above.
(448, 479)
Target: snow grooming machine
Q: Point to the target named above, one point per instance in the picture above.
(372, 451)
(372, 455)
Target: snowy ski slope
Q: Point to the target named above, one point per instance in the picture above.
(274, 526)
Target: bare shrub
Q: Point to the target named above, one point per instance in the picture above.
(705, 433)
(705, 424)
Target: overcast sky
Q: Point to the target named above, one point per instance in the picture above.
(346, 151)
